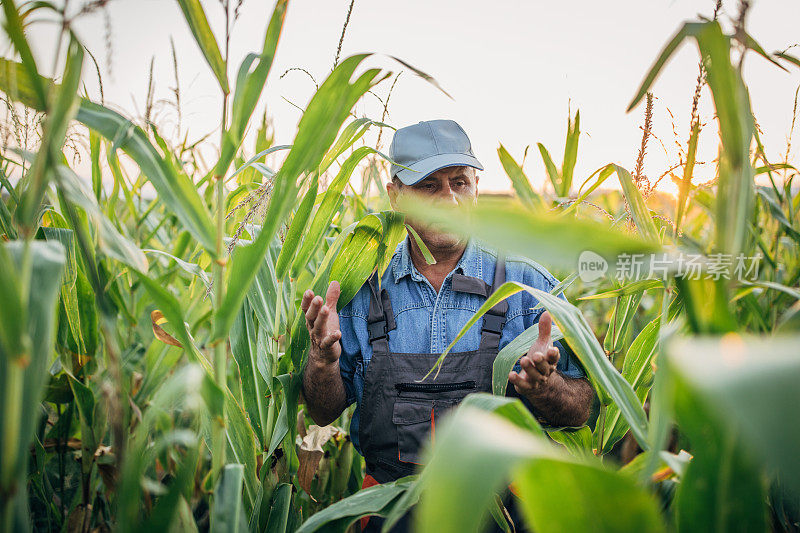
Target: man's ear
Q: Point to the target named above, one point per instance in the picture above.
(393, 191)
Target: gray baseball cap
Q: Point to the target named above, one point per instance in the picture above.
(429, 146)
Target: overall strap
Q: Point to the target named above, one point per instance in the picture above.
(495, 318)
(380, 318)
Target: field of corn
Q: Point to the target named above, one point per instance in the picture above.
(151, 345)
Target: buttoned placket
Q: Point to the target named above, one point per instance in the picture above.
(438, 320)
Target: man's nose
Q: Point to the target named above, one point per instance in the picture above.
(446, 194)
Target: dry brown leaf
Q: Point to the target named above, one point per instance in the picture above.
(311, 453)
(157, 317)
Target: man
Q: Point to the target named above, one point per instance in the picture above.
(375, 351)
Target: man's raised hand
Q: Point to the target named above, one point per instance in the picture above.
(539, 363)
(322, 322)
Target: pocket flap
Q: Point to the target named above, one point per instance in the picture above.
(411, 411)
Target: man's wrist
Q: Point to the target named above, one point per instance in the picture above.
(318, 362)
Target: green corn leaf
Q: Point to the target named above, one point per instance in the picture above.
(279, 511)
(350, 134)
(688, 29)
(519, 180)
(190, 268)
(570, 154)
(608, 383)
(422, 246)
(249, 85)
(196, 19)
(374, 501)
(550, 167)
(32, 85)
(241, 440)
(110, 241)
(638, 371)
(296, 229)
(328, 207)
(250, 162)
(688, 173)
(629, 288)
(602, 174)
(578, 441)
(245, 351)
(639, 211)
(512, 352)
(624, 311)
(374, 240)
(62, 109)
(173, 312)
(726, 390)
(511, 409)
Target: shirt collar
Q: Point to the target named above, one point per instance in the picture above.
(470, 264)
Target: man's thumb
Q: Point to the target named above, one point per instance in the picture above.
(545, 323)
(332, 296)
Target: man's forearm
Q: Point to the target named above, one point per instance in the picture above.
(563, 401)
(323, 390)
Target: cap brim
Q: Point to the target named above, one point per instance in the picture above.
(422, 169)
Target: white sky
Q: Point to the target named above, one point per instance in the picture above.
(513, 67)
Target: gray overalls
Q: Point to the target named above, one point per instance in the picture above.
(398, 411)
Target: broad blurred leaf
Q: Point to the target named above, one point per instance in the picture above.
(558, 492)
(740, 385)
(29, 288)
(227, 515)
(550, 240)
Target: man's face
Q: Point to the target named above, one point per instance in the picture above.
(451, 185)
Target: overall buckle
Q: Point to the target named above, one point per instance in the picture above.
(493, 323)
(377, 330)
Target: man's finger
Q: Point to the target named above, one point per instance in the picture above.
(332, 295)
(330, 340)
(530, 372)
(545, 326)
(520, 384)
(553, 355)
(321, 323)
(313, 309)
(542, 366)
(306, 301)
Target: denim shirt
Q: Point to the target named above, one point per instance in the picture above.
(428, 322)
